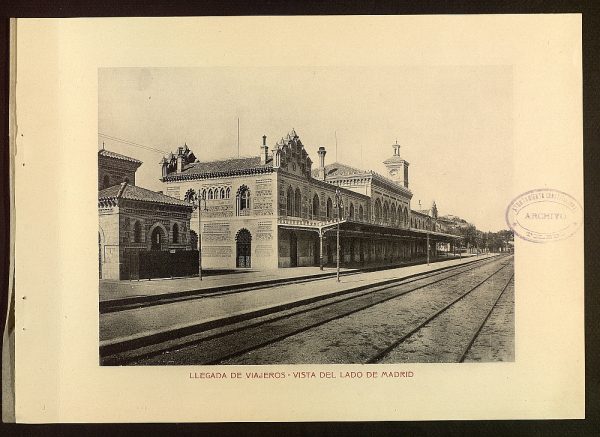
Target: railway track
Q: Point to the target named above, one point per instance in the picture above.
(226, 343)
(116, 305)
(435, 318)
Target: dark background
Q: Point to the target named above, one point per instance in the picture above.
(591, 131)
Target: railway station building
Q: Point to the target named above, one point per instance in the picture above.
(279, 209)
(139, 226)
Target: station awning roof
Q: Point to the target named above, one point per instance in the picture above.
(366, 229)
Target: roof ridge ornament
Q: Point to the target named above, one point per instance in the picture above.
(120, 193)
(396, 147)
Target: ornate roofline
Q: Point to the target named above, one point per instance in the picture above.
(328, 185)
(113, 200)
(220, 174)
(390, 183)
(374, 176)
(105, 202)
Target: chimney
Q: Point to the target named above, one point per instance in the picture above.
(264, 151)
(321, 153)
(179, 159)
(405, 174)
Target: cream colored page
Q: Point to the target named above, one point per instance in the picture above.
(57, 373)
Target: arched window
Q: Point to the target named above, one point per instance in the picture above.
(243, 201)
(175, 233)
(210, 194)
(137, 232)
(227, 193)
(406, 217)
(106, 181)
(315, 207)
(298, 203)
(386, 212)
(399, 216)
(360, 213)
(290, 202)
(329, 208)
(377, 210)
(222, 193)
(126, 237)
(277, 159)
(157, 239)
(351, 212)
(203, 194)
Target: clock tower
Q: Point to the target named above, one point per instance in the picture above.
(397, 167)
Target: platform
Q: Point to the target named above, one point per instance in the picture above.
(131, 325)
(112, 290)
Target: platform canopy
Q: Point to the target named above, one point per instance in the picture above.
(351, 227)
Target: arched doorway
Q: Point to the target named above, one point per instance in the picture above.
(157, 238)
(243, 244)
(330, 251)
(293, 250)
(361, 251)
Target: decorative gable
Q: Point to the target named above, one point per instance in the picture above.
(289, 154)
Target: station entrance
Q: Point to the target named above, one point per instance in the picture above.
(243, 245)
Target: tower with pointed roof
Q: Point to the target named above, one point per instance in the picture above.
(397, 167)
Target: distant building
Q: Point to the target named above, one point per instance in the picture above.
(276, 210)
(134, 220)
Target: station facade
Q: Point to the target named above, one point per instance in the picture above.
(279, 210)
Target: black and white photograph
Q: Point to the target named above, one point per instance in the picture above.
(311, 215)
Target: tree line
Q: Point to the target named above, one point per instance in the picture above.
(500, 241)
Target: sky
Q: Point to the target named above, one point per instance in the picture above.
(454, 123)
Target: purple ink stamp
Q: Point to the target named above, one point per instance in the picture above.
(544, 215)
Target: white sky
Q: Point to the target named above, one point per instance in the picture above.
(454, 123)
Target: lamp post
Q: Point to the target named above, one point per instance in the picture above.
(198, 198)
(339, 205)
(427, 246)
